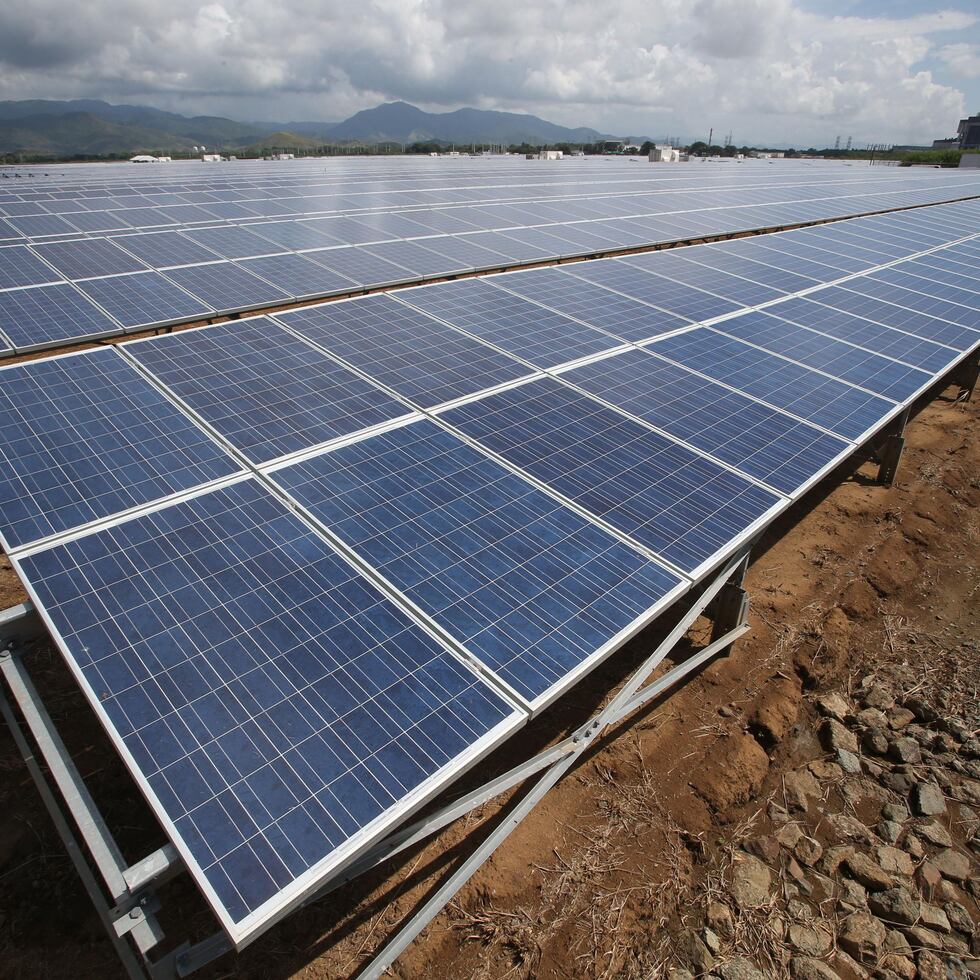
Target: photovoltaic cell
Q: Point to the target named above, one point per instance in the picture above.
(535, 334)
(954, 313)
(810, 396)
(753, 437)
(421, 359)
(86, 436)
(278, 712)
(144, 298)
(361, 266)
(527, 585)
(88, 257)
(298, 276)
(232, 241)
(161, 249)
(43, 315)
(225, 286)
(267, 392)
(19, 266)
(677, 503)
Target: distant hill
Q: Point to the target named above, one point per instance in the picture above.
(52, 128)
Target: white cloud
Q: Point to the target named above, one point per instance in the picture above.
(765, 68)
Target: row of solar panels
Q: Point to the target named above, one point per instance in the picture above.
(117, 286)
(309, 568)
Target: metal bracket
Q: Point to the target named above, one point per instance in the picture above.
(888, 451)
(966, 376)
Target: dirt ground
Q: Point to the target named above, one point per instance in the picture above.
(601, 879)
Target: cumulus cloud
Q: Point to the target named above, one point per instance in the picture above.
(768, 69)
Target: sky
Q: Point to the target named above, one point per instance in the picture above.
(794, 72)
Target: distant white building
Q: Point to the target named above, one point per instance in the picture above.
(146, 158)
(212, 157)
(664, 153)
(281, 156)
(550, 155)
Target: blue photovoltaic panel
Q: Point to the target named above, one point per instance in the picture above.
(41, 225)
(535, 334)
(881, 375)
(806, 394)
(883, 340)
(599, 307)
(86, 436)
(524, 583)
(964, 316)
(267, 392)
(757, 439)
(462, 250)
(787, 243)
(899, 317)
(278, 711)
(671, 265)
(19, 266)
(300, 277)
(361, 266)
(517, 251)
(88, 257)
(232, 241)
(421, 359)
(165, 248)
(417, 258)
(225, 286)
(674, 297)
(941, 287)
(721, 257)
(942, 266)
(42, 315)
(677, 503)
(140, 299)
(295, 234)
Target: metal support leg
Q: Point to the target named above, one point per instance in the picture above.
(730, 610)
(967, 375)
(889, 450)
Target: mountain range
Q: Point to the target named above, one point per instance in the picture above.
(91, 127)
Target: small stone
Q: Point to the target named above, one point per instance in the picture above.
(719, 918)
(930, 966)
(862, 869)
(934, 917)
(889, 830)
(895, 942)
(893, 861)
(833, 706)
(968, 792)
(897, 966)
(897, 782)
(959, 918)
(751, 881)
(861, 936)
(955, 728)
(924, 712)
(898, 812)
(679, 973)
(928, 877)
(852, 896)
(711, 940)
(789, 834)
(799, 876)
(834, 856)
(814, 939)
(871, 718)
(899, 718)
(905, 751)
(739, 968)
(848, 761)
(953, 865)
(807, 968)
(801, 786)
(835, 736)
(899, 906)
(825, 770)
(971, 748)
(935, 833)
(693, 951)
(952, 943)
(849, 827)
(947, 891)
(878, 697)
(874, 742)
(928, 800)
(808, 851)
(914, 847)
(923, 938)
(765, 848)
(944, 745)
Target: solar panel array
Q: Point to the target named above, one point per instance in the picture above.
(132, 249)
(309, 567)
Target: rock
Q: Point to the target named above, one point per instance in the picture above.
(893, 861)
(751, 881)
(930, 966)
(956, 728)
(849, 967)
(889, 830)
(934, 917)
(922, 938)
(897, 782)
(928, 877)
(694, 953)
(895, 942)
(812, 939)
(679, 973)
(808, 851)
(719, 917)
(765, 848)
(852, 896)
(874, 742)
(807, 968)
(871, 718)
(835, 736)
(935, 833)
(848, 761)
(924, 712)
(711, 940)
(861, 936)
(799, 876)
(789, 834)
(898, 812)
(865, 871)
(896, 905)
(971, 748)
(968, 792)
(914, 847)
(947, 891)
(898, 966)
(825, 770)
(953, 865)
(743, 765)
(834, 856)
(954, 944)
(877, 696)
(833, 706)
(800, 786)
(927, 800)
(849, 827)
(740, 968)
(773, 716)
(906, 751)
(899, 718)
(959, 918)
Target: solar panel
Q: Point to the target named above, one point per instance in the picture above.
(462, 250)
(226, 287)
(944, 290)
(298, 276)
(722, 257)
(599, 307)
(680, 505)
(88, 257)
(537, 335)
(41, 225)
(810, 396)
(835, 357)
(267, 392)
(419, 358)
(295, 234)
(83, 437)
(532, 589)
(161, 249)
(361, 266)
(232, 241)
(417, 258)
(19, 266)
(38, 316)
(757, 439)
(142, 299)
(278, 712)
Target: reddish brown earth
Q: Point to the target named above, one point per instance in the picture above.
(608, 873)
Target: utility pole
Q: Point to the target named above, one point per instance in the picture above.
(711, 132)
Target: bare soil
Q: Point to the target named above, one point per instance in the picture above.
(603, 878)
